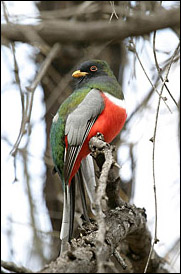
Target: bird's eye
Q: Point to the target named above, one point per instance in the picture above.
(93, 68)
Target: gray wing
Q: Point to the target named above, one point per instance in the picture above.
(78, 126)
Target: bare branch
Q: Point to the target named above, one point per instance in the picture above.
(67, 32)
(113, 11)
(97, 145)
(153, 156)
(43, 69)
(159, 69)
(13, 267)
(29, 104)
(17, 78)
(36, 239)
(133, 48)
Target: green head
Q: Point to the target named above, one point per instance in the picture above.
(97, 74)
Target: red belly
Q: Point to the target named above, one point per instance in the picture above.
(109, 123)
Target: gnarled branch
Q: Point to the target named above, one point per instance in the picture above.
(124, 224)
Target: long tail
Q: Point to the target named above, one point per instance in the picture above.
(85, 176)
(82, 194)
(68, 215)
(88, 174)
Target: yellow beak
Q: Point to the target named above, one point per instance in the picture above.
(78, 73)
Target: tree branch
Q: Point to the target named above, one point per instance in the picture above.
(67, 32)
(14, 268)
(81, 257)
(124, 224)
(97, 145)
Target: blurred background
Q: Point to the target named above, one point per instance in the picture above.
(31, 195)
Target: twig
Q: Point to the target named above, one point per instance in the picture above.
(17, 78)
(153, 157)
(133, 48)
(36, 239)
(159, 69)
(29, 104)
(13, 267)
(113, 11)
(36, 40)
(143, 104)
(43, 69)
(119, 259)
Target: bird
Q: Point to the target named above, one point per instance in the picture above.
(96, 105)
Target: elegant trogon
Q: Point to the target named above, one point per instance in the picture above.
(96, 105)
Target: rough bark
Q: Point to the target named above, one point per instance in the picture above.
(81, 258)
(126, 233)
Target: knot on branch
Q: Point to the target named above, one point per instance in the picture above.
(100, 150)
(97, 145)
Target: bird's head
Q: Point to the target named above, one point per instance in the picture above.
(97, 74)
(91, 69)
